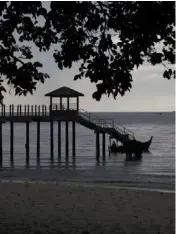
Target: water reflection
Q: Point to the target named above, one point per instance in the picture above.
(116, 159)
(115, 156)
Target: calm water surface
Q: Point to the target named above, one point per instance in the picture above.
(156, 169)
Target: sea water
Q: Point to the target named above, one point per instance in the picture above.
(156, 169)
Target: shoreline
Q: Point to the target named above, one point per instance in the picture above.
(93, 184)
(75, 208)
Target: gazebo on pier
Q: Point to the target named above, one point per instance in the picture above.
(67, 110)
(64, 93)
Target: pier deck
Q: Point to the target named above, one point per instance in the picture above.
(42, 113)
(61, 112)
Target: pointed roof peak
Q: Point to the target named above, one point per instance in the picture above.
(64, 92)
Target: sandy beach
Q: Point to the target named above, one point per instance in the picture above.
(63, 208)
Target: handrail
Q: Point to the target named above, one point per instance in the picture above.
(125, 130)
(104, 124)
(31, 110)
(94, 118)
(26, 110)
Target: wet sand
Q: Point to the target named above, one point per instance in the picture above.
(62, 208)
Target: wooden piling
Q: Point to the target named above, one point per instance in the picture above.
(103, 146)
(11, 140)
(59, 140)
(38, 140)
(51, 139)
(97, 146)
(27, 142)
(1, 148)
(73, 139)
(66, 140)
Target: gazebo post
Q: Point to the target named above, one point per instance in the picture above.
(68, 103)
(50, 104)
(77, 103)
(60, 103)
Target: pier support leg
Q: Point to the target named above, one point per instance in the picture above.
(11, 141)
(38, 140)
(104, 146)
(59, 140)
(73, 140)
(27, 142)
(1, 144)
(51, 139)
(66, 140)
(97, 147)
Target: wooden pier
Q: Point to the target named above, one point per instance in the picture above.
(59, 111)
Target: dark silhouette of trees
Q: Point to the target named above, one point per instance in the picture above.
(84, 31)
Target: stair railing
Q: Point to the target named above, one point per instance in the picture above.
(94, 119)
(124, 130)
(106, 123)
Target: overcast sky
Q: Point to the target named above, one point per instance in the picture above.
(150, 91)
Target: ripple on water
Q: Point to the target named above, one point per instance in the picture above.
(156, 167)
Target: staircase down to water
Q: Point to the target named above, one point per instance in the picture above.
(108, 126)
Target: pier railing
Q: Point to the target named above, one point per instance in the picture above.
(26, 110)
(33, 110)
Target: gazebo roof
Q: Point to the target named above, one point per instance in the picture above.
(64, 92)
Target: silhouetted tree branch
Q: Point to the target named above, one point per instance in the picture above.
(84, 32)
